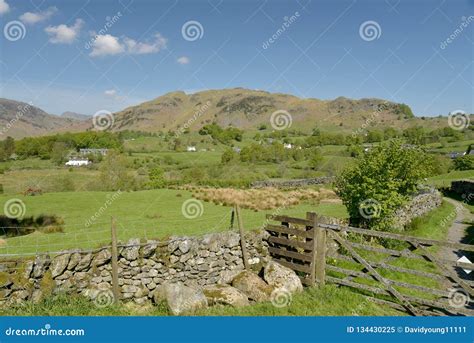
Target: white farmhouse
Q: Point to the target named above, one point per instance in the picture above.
(288, 146)
(77, 163)
(191, 149)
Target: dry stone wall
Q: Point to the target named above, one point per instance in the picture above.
(142, 267)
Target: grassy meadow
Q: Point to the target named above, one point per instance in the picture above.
(143, 214)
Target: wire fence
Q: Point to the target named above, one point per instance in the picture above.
(27, 241)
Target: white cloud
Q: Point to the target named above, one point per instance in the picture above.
(110, 45)
(36, 17)
(63, 34)
(110, 92)
(104, 45)
(183, 60)
(138, 48)
(4, 7)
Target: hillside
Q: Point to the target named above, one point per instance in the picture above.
(242, 108)
(75, 116)
(248, 109)
(19, 119)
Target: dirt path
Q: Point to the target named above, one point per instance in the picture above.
(457, 233)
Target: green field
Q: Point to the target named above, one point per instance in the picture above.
(142, 214)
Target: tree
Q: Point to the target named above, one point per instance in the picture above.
(464, 163)
(228, 156)
(315, 158)
(157, 178)
(114, 174)
(9, 146)
(381, 181)
(59, 152)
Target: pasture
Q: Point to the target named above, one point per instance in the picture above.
(142, 214)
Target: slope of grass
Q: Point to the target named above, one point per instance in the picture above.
(326, 301)
(444, 180)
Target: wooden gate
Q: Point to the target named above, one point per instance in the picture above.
(400, 271)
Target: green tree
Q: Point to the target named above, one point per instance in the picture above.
(381, 181)
(157, 178)
(114, 174)
(59, 152)
(464, 163)
(227, 156)
(314, 159)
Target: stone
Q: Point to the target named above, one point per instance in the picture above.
(84, 263)
(281, 277)
(74, 260)
(59, 264)
(180, 299)
(184, 258)
(184, 246)
(4, 293)
(149, 249)
(5, 280)
(102, 258)
(131, 252)
(226, 276)
(252, 286)
(224, 294)
(37, 296)
(41, 264)
(129, 289)
(28, 269)
(153, 273)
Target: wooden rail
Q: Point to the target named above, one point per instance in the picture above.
(313, 248)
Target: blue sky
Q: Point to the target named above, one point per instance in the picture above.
(62, 61)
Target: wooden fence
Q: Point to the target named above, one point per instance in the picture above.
(400, 271)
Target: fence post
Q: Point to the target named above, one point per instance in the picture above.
(320, 237)
(318, 261)
(242, 238)
(115, 285)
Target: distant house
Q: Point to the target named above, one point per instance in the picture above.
(236, 149)
(288, 146)
(454, 155)
(77, 162)
(191, 149)
(102, 152)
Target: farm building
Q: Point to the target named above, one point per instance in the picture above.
(191, 149)
(102, 152)
(77, 163)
